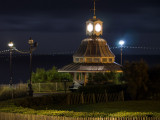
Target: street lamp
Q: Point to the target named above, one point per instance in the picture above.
(10, 44)
(32, 47)
(121, 42)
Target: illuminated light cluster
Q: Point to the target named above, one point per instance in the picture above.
(90, 27)
(98, 27)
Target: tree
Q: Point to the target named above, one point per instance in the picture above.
(136, 76)
(154, 77)
(101, 78)
(52, 75)
(39, 76)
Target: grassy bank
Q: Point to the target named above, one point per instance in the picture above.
(117, 109)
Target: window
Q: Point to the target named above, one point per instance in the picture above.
(89, 60)
(76, 59)
(104, 60)
(96, 59)
(110, 59)
(81, 59)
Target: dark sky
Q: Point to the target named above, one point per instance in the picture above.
(60, 24)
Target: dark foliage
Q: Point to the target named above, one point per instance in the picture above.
(136, 77)
(154, 77)
(47, 100)
(101, 88)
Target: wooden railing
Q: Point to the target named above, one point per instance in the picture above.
(94, 98)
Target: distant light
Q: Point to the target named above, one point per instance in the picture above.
(98, 27)
(10, 44)
(90, 27)
(121, 42)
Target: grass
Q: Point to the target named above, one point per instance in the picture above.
(119, 109)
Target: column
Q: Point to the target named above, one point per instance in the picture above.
(75, 76)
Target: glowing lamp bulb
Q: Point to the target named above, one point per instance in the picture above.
(121, 42)
(90, 27)
(98, 27)
(10, 44)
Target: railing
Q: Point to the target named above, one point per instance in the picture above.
(41, 87)
(94, 98)
(17, 116)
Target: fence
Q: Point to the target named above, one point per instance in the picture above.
(41, 87)
(94, 98)
(17, 116)
(51, 87)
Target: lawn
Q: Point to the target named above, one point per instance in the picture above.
(127, 108)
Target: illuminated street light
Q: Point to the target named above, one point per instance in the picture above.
(32, 47)
(121, 42)
(10, 44)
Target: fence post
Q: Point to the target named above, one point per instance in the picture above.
(122, 95)
(68, 99)
(106, 96)
(94, 99)
(39, 87)
(82, 98)
(56, 86)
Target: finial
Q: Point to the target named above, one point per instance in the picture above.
(94, 9)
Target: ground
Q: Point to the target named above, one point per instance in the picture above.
(127, 108)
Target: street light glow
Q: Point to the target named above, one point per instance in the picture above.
(121, 42)
(10, 44)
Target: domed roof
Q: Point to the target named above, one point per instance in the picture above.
(93, 47)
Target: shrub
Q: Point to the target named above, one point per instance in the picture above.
(47, 100)
(101, 88)
(10, 92)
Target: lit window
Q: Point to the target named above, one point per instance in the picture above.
(89, 60)
(110, 59)
(81, 59)
(96, 59)
(104, 60)
(77, 59)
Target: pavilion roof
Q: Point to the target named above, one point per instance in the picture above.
(91, 67)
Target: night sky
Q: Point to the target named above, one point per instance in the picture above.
(59, 25)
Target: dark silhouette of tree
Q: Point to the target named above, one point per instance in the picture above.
(136, 76)
(154, 77)
(101, 78)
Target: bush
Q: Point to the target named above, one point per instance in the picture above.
(102, 88)
(47, 100)
(44, 76)
(9, 93)
(136, 76)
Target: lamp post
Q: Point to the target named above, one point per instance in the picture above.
(30, 42)
(121, 42)
(10, 44)
(31, 49)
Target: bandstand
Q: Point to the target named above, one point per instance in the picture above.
(93, 55)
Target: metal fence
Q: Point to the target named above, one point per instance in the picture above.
(40, 87)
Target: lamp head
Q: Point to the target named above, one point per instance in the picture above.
(30, 41)
(10, 44)
(121, 42)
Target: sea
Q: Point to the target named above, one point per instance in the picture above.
(20, 64)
